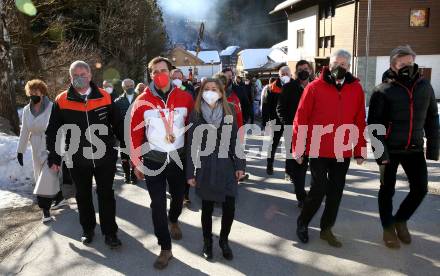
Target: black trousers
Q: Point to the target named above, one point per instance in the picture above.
(46, 202)
(414, 165)
(297, 173)
(328, 179)
(127, 167)
(228, 209)
(276, 140)
(104, 177)
(265, 115)
(157, 186)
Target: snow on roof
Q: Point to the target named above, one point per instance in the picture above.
(208, 56)
(277, 55)
(284, 5)
(254, 58)
(229, 50)
(282, 44)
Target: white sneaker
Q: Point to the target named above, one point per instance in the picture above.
(46, 216)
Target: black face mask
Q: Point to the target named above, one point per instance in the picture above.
(35, 99)
(303, 75)
(407, 72)
(338, 72)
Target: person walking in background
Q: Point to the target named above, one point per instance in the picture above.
(123, 103)
(405, 104)
(35, 118)
(288, 101)
(108, 87)
(85, 106)
(215, 178)
(235, 86)
(334, 100)
(179, 81)
(284, 77)
(231, 96)
(264, 104)
(249, 90)
(158, 118)
(140, 87)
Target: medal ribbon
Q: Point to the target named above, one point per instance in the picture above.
(168, 123)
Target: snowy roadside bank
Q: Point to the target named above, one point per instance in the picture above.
(16, 182)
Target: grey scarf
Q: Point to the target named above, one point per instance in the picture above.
(44, 104)
(212, 116)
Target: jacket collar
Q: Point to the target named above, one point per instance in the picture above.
(73, 95)
(389, 76)
(326, 76)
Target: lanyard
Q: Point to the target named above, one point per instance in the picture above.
(169, 124)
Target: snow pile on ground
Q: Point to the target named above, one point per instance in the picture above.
(16, 182)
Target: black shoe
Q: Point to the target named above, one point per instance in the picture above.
(87, 237)
(226, 250)
(112, 241)
(244, 177)
(269, 169)
(328, 236)
(302, 232)
(207, 250)
(127, 179)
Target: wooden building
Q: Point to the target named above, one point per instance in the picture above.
(318, 27)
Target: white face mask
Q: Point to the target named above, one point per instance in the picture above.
(109, 90)
(210, 97)
(285, 79)
(177, 82)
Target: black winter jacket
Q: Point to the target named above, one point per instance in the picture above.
(99, 110)
(288, 101)
(407, 114)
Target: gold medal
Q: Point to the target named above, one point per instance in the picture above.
(170, 138)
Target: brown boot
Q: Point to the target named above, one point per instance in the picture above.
(162, 260)
(175, 232)
(390, 238)
(402, 232)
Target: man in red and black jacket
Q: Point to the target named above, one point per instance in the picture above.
(405, 104)
(90, 121)
(159, 118)
(331, 110)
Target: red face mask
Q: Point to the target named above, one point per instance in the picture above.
(161, 80)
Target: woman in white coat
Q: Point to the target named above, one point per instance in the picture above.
(35, 119)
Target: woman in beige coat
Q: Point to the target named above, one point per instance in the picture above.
(35, 119)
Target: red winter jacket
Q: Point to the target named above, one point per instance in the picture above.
(233, 98)
(148, 126)
(323, 104)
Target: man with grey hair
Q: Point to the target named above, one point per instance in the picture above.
(329, 104)
(405, 104)
(124, 102)
(90, 120)
(284, 77)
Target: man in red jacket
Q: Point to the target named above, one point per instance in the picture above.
(330, 114)
(159, 117)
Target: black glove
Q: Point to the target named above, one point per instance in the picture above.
(20, 158)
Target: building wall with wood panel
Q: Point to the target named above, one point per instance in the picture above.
(390, 27)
